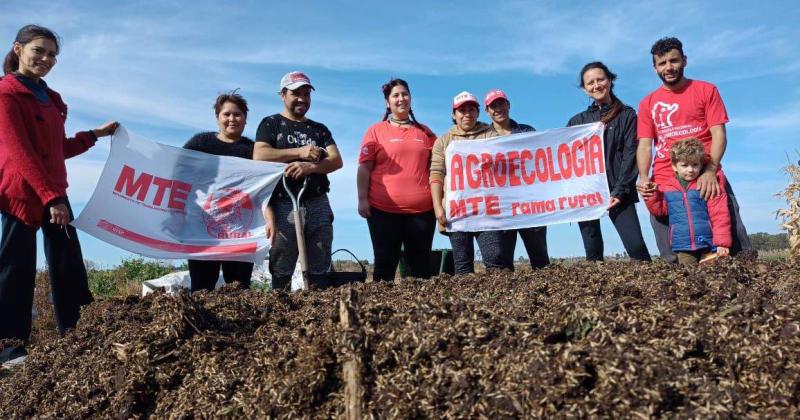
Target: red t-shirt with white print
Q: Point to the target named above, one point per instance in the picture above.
(399, 179)
(668, 116)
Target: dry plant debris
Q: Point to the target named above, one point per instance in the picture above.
(587, 340)
(790, 216)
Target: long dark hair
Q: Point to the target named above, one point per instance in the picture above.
(387, 90)
(25, 35)
(616, 104)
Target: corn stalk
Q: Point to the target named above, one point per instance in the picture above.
(790, 216)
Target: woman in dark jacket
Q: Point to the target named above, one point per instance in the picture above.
(620, 148)
(33, 189)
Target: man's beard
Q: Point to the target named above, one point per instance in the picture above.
(298, 111)
(677, 80)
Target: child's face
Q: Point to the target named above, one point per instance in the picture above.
(687, 171)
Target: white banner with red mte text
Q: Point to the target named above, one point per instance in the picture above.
(526, 179)
(166, 202)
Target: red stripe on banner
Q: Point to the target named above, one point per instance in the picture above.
(246, 248)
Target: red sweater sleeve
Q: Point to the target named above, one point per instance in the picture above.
(720, 217)
(79, 144)
(21, 158)
(657, 204)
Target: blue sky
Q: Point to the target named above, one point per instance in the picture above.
(157, 67)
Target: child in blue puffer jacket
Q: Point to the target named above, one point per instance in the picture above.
(696, 227)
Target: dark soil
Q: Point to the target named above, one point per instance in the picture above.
(588, 340)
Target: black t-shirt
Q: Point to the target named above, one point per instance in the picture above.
(283, 133)
(209, 143)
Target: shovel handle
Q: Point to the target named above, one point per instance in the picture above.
(301, 246)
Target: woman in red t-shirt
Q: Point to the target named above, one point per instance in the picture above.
(393, 191)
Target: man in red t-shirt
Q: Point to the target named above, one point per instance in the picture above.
(682, 108)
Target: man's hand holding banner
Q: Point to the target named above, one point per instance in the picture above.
(527, 179)
(166, 202)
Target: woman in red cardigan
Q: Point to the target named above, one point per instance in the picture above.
(33, 189)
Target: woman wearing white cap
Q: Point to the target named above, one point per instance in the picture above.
(393, 191)
(620, 148)
(467, 127)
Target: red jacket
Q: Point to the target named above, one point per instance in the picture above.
(33, 147)
(693, 222)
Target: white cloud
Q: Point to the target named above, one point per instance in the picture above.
(785, 117)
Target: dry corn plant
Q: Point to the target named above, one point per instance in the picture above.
(791, 215)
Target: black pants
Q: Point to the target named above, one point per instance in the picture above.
(68, 281)
(625, 220)
(391, 231)
(535, 241)
(741, 242)
(204, 274)
(493, 245)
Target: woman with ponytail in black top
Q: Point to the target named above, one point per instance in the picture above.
(393, 191)
(620, 149)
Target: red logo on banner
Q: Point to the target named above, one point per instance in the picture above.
(228, 213)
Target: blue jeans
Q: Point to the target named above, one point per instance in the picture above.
(493, 245)
(318, 230)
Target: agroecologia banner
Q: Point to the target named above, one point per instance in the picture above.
(526, 179)
(167, 202)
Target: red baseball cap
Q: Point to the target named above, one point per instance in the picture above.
(494, 95)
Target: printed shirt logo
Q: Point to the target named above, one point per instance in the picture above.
(299, 138)
(662, 114)
(228, 213)
(662, 117)
(365, 150)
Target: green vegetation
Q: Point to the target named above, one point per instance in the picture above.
(126, 278)
(762, 241)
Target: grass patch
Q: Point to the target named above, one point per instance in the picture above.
(126, 279)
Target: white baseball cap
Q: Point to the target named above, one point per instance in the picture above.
(293, 80)
(463, 98)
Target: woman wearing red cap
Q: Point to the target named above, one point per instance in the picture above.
(33, 189)
(491, 243)
(393, 191)
(620, 148)
(498, 108)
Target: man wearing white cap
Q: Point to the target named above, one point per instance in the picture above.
(311, 153)
(491, 243)
(534, 238)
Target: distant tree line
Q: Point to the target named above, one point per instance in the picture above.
(762, 241)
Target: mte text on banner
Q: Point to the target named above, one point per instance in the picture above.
(166, 202)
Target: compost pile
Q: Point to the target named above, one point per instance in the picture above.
(589, 340)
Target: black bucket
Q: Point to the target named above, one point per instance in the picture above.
(340, 278)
